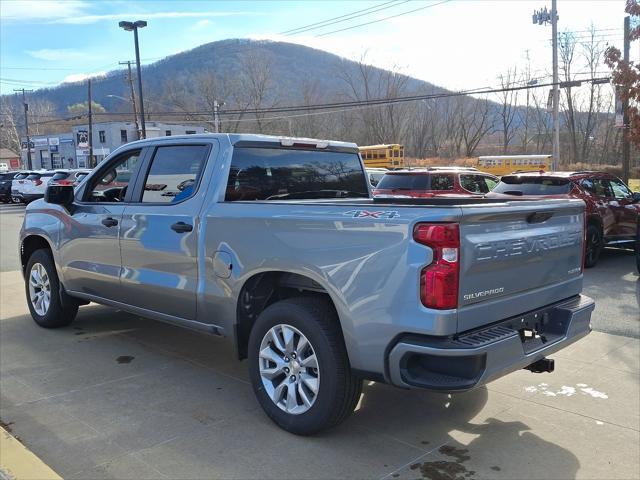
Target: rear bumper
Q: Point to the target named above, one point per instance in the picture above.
(480, 356)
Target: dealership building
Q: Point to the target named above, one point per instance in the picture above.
(71, 150)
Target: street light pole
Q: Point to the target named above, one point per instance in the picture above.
(133, 26)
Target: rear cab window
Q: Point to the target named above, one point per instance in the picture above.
(404, 181)
(262, 173)
(533, 186)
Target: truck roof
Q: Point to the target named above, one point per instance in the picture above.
(250, 137)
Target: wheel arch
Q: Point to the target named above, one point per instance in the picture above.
(30, 244)
(265, 288)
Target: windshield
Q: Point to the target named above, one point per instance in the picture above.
(259, 173)
(404, 181)
(533, 186)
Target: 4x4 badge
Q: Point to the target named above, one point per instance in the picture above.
(369, 214)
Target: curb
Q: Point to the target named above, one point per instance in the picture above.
(19, 463)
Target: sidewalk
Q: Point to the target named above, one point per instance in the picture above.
(17, 462)
(117, 396)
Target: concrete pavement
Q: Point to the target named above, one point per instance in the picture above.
(117, 396)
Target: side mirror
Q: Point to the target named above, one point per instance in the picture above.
(635, 197)
(59, 195)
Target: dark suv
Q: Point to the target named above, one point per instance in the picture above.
(435, 181)
(6, 180)
(612, 208)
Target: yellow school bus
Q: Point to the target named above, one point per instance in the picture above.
(505, 164)
(383, 156)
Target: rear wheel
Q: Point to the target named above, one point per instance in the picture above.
(299, 367)
(43, 292)
(594, 246)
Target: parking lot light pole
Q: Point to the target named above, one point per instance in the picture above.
(133, 26)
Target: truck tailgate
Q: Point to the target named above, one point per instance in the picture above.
(518, 257)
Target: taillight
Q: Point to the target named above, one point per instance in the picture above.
(64, 182)
(37, 182)
(439, 280)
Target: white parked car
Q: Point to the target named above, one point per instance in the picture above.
(18, 183)
(35, 185)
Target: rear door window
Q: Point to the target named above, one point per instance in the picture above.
(620, 190)
(174, 173)
(441, 181)
(533, 186)
(477, 183)
(404, 181)
(259, 173)
(597, 186)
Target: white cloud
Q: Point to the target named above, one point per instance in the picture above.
(48, 10)
(84, 19)
(200, 24)
(55, 55)
(81, 77)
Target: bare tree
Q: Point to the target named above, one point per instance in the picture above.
(474, 122)
(508, 108)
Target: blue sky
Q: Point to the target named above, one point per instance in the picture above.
(456, 44)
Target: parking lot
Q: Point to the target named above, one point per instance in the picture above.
(118, 396)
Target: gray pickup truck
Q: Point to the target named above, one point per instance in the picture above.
(276, 244)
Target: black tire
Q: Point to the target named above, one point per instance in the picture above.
(339, 389)
(594, 246)
(56, 315)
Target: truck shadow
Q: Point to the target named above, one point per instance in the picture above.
(465, 435)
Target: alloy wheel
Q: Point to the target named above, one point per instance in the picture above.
(39, 289)
(289, 369)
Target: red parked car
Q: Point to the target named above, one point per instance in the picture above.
(613, 210)
(435, 181)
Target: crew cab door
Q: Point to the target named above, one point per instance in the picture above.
(159, 233)
(90, 248)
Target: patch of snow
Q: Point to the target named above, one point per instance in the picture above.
(581, 385)
(567, 391)
(594, 393)
(531, 389)
(598, 422)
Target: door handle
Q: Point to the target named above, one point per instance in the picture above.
(181, 227)
(109, 222)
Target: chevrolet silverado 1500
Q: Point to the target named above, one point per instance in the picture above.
(277, 245)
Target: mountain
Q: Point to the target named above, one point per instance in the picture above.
(292, 70)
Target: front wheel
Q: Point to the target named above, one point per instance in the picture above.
(299, 367)
(43, 292)
(593, 247)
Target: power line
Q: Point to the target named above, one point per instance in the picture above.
(351, 16)
(385, 18)
(293, 31)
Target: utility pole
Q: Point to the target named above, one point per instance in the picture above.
(216, 116)
(91, 163)
(542, 17)
(133, 97)
(556, 87)
(26, 124)
(626, 147)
